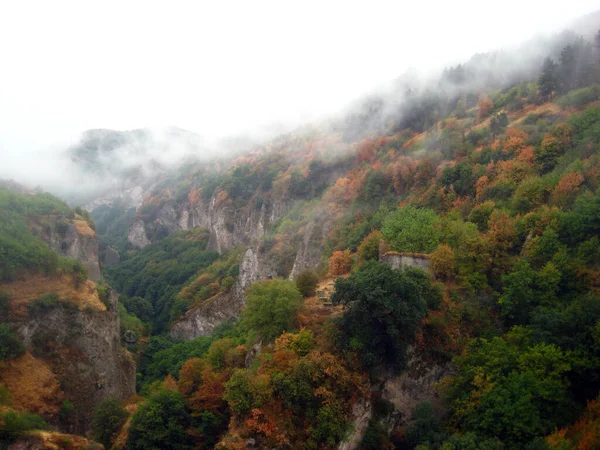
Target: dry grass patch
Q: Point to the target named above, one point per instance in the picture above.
(33, 386)
(83, 228)
(131, 405)
(52, 440)
(22, 292)
(539, 110)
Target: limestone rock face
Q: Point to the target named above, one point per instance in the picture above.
(416, 385)
(203, 319)
(137, 233)
(362, 414)
(79, 242)
(309, 252)
(228, 225)
(111, 257)
(83, 349)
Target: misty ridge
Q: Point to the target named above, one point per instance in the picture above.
(115, 164)
(416, 100)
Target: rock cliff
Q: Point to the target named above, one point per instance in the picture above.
(137, 233)
(75, 239)
(362, 413)
(309, 252)
(229, 226)
(82, 348)
(415, 385)
(202, 320)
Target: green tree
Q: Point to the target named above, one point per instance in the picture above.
(271, 308)
(524, 289)
(140, 307)
(471, 441)
(376, 186)
(412, 229)
(108, 419)
(443, 262)
(530, 194)
(508, 388)
(498, 124)
(369, 247)
(10, 345)
(161, 422)
(480, 215)
(384, 309)
(548, 80)
(246, 390)
(459, 177)
(13, 425)
(306, 282)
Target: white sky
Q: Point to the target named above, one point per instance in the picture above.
(216, 67)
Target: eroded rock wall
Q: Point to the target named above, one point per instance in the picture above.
(415, 385)
(79, 242)
(229, 226)
(83, 349)
(202, 320)
(399, 261)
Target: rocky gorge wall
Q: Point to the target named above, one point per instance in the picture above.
(202, 320)
(229, 226)
(78, 241)
(83, 349)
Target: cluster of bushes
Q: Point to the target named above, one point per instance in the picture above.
(10, 344)
(13, 425)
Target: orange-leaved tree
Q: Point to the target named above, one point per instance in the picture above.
(340, 262)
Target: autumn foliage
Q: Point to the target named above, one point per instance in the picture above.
(340, 262)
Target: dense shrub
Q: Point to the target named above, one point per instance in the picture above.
(13, 425)
(108, 419)
(160, 423)
(271, 308)
(10, 345)
(384, 311)
(579, 97)
(306, 282)
(412, 229)
(159, 271)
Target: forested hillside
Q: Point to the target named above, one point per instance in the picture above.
(488, 177)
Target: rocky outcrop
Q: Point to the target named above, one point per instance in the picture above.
(130, 193)
(399, 261)
(137, 233)
(229, 226)
(202, 320)
(415, 385)
(78, 241)
(110, 257)
(83, 349)
(362, 414)
(309, 253)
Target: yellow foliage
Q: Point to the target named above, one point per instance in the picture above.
(22, 292)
